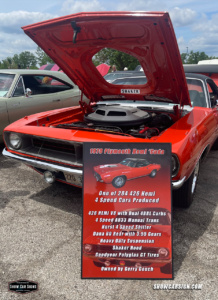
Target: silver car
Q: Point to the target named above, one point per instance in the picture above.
(25, 92)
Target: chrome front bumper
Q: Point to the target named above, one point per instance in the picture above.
(67, 173)
(49, 166)
(42, 164)
(177, 184)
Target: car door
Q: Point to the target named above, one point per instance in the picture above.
(68, 97)
(43, 97)
(141, 169)
(6, 83)
(3, 116)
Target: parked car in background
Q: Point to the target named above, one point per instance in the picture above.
(138, 68)
(136, 80)
(120, 74)
(202, 90)
(159, 111)
(210, 70)
(25, 92)
(50, 67)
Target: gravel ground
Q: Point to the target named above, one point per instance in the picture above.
(40, 238)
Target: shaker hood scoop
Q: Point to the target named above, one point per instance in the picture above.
(73, 40)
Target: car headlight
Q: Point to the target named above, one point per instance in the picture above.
(15, 140)
(175, 165)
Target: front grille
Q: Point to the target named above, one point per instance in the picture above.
(56, 150)
(54, 146)
(97, 176)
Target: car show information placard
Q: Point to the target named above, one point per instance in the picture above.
(127, 230)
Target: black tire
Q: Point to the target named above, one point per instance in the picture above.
(153, 173)
(167, 269)
(184, 196)
(119, 181)
(215, 145)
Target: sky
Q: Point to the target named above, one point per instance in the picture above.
(195, 21)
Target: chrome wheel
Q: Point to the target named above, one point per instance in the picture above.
(153, 173)
(119, 181)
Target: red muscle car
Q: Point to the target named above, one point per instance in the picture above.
(165, 109)
(122, 246)
(129, 168)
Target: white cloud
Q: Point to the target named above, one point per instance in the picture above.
(182, 44)
(182, 16)
(14, 44)
(207, 25)
(16, 19)
(12, 39)
(72, 6)
(195, 23)
(167, 5)
(205, 35)
(205, 43)
(155, 5)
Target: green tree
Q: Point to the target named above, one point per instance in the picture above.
(23, 60)
(115, 57)
(16, 60)
(195, 57)
(184, 57)
(27, 60)
(42, 57)
(7, 63)
(102, 57)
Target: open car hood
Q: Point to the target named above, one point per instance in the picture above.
(73, 40)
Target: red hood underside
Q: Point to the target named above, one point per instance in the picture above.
(148, 36)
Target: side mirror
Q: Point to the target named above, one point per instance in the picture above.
(28, 92)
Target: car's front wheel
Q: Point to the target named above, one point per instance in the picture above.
(119, 181)
(183, 197)
(215, 145)
(153, 173)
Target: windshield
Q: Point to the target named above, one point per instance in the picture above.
(5, 83)
(135, 163)
(127, 162)
(130, 81)
(114, 75)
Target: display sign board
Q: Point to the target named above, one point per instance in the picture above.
(127, 211)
